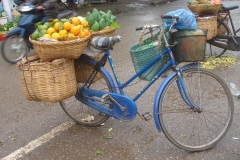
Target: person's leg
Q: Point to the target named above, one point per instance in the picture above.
(46, 18)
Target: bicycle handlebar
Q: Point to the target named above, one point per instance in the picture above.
(170, 17)
(148, 27)
(174, 17)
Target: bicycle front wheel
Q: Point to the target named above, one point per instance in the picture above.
(215, 51)
(79, 112)
(194, 130)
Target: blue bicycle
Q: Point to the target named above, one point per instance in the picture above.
(193, 106)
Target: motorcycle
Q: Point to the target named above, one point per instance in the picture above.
(16, 43)
(18, 2)
(63, 4)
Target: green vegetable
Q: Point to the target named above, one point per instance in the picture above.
(102, 24)
(95, 14)
(113, 24)
(95, 26)
(90, 18)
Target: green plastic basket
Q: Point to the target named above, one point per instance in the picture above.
(145, 53)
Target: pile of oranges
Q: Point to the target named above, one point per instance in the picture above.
(63, 27)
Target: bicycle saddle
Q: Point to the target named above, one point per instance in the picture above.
(230, 8)
(101, 42)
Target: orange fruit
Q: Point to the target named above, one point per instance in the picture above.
(67, 26)
(86, 31)
(47, 36)
(76, 29)
(55, 35)
(82, 35)
(75, 20)
(50, 30)
(84, 23)
(62, 32)
(56, 26)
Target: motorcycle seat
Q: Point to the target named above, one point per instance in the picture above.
(66, 13)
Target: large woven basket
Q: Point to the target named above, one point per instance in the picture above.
(205, 9)
(83, 70)
(62, 49)
(105, 33)
(208, 23)
(220, 29)
(48, 81)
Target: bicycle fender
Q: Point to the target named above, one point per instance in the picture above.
(109, 77)
(16, 31)
(160, 90)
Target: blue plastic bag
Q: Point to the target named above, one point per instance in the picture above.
(186, 20)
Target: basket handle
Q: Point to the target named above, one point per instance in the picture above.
(152, 36)
(142, 35)
(160, 39)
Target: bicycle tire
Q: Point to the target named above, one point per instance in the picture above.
(215, 51)
(81, 113)
(12, 50)
(191, 130)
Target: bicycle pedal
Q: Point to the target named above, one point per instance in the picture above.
(147, 116)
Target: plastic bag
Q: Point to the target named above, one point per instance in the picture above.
(186, 20)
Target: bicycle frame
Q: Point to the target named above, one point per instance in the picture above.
(228, 42)
(228, 14)
(120, 86)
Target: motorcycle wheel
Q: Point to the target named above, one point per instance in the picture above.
(14, 48)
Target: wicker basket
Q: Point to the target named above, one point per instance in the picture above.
(221, 30)
(62, 49)
(106, 33)
(208, 23)
(83, 70)
(48, 81)
(205, 9)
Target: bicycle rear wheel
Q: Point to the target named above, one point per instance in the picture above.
(214, 51)
(79, 112)
(187, 128)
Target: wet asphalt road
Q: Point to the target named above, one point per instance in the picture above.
(35, 130)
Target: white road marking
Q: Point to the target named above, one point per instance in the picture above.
(39, 141)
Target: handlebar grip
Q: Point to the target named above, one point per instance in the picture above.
(139, 28)
(170, 17)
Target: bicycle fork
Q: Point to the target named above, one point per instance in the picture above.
(183, 91)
